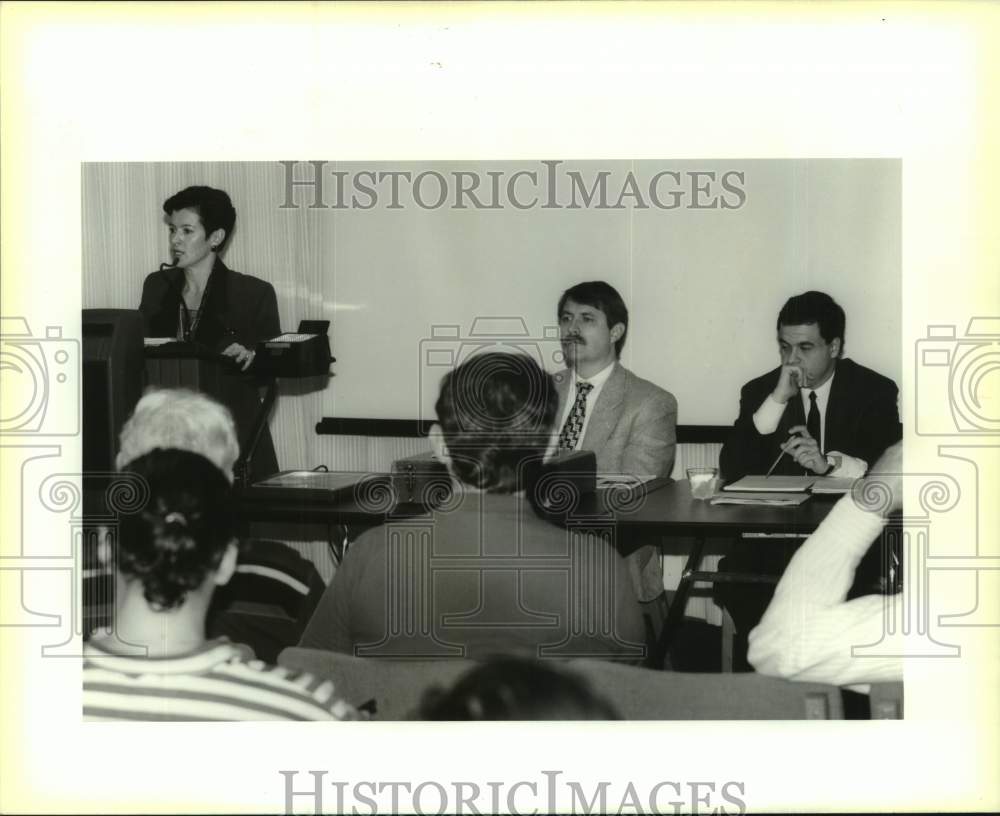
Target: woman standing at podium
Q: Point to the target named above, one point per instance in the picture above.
(197, 298)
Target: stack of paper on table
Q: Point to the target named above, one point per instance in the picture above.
(772, 484)
(760, 498)
(791, 484)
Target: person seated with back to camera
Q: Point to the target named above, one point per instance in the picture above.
(514, 688)
(172, 549)
(266, 607)
(182, 419)
(809, 628)
(483, 574)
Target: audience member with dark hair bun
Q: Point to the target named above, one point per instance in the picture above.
(197, 298)
(509, 688)
(180, 537)
(156, 663)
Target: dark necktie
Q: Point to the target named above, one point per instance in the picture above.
(812, 421)
(570, 433)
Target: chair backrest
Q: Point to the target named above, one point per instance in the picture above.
(397, 686)
(886, 701)
(646, 694)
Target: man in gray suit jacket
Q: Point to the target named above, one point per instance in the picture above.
(629, 423)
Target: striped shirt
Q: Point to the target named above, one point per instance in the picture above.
(220, 681)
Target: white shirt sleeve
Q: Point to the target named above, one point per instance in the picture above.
(850, 467)
(809, 630)
(768, 416)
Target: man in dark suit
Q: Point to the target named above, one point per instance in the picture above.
(628, 422)
(855, 417)
(830, 417)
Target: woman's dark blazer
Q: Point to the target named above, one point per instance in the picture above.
(236, 309)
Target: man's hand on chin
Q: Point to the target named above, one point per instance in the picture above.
(789, 379)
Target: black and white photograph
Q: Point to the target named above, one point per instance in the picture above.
(498, 383)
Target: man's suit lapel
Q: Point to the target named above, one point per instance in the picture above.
(602, 421)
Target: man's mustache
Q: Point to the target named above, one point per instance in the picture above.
(572, 339)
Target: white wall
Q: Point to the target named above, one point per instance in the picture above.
(703, 285)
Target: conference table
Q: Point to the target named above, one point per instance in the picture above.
(672, 514)
(662, 512)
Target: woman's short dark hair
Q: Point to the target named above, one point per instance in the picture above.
(496, 412)
(514, 688)
(180, 533)
(603, 296)
(815, 307)
(214, 208)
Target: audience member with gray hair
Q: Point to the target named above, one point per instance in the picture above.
(181, 419)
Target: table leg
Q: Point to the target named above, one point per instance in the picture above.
(337, 536)
(675, 615)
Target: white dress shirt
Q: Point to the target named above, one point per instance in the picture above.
(769, 415)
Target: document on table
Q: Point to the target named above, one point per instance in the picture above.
(761, 499)
(772, 484)
(792, 484)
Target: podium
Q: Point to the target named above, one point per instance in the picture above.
(196, 367)
(179, 364)
(186, 365)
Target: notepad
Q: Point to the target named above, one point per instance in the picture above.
(772, 484)
(761, 499)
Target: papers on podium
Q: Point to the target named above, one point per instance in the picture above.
(338, 484)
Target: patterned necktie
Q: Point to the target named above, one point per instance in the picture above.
(812, 421)
(570, 433)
